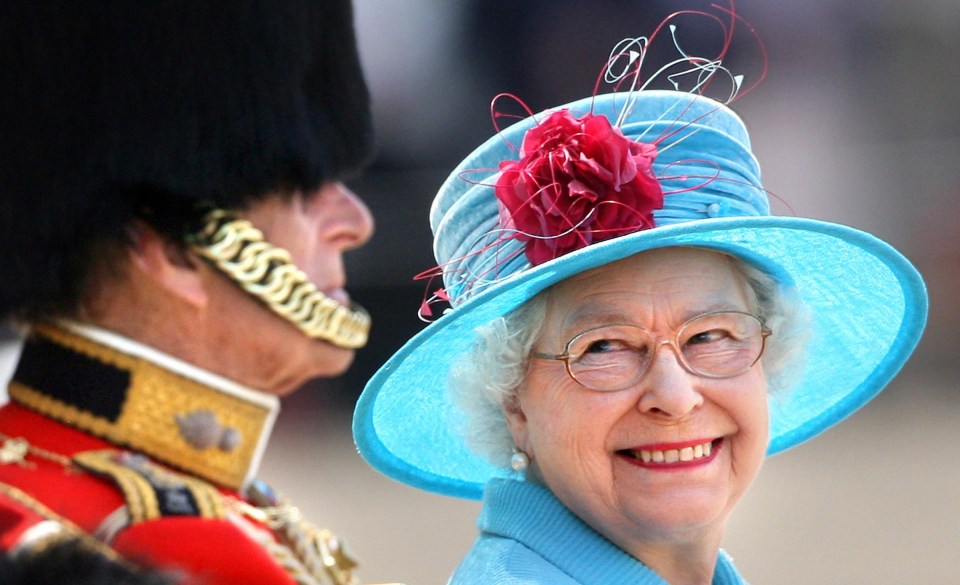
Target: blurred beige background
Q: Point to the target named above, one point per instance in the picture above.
(857, 122)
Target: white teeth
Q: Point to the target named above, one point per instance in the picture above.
(675, 455)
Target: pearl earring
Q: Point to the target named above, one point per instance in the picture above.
(519, 460)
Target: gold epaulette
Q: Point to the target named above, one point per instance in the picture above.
(151, 491)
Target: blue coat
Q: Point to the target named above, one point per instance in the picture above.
(527, 537)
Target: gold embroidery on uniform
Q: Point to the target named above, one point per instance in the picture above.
(309, 554)
(138, 491)
(68, 530)
(16, 449)
(208, 499)
(148, 417)
(139, 495)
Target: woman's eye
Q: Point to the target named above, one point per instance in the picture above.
(605, 346)
(711, 336)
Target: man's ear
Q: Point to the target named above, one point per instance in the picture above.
(169, 265)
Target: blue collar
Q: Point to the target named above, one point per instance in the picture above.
(532, 515)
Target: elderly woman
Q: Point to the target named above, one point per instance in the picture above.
(631, 333)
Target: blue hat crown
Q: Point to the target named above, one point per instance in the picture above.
(703, 164)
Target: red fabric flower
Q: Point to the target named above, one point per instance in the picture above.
(578, 181)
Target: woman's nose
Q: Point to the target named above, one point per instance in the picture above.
(669, 390)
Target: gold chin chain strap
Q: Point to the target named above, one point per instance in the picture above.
(267, 272)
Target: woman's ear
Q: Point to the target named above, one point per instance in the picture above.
(516, 420)
(167, 264)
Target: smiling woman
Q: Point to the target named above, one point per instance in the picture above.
(487, 376)
(586, 446)
(631, 333)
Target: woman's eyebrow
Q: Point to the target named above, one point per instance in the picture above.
(586, 316)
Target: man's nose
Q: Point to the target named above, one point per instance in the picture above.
(356, 220)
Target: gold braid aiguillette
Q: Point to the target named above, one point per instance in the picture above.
(238, 249)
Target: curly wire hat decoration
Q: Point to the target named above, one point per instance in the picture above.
(495, 216)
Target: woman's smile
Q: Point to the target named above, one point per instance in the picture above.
(673, 456)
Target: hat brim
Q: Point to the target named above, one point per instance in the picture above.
(868, 307)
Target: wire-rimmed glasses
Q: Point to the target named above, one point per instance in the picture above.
(719, 344)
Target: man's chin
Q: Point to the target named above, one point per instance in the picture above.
(339, 366)
(330, 361)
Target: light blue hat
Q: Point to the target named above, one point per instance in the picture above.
(868, 303)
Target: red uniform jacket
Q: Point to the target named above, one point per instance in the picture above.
(106, 440)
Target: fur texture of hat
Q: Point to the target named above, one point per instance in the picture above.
(116, 111)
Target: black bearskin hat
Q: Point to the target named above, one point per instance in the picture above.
(112, 111)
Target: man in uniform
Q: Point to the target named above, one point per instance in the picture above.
(173, 223)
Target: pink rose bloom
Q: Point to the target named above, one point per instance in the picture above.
(578, 181)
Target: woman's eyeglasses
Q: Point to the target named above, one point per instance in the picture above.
(713, 345)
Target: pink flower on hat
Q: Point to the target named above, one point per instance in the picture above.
(578, 181)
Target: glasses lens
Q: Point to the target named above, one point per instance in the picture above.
(721, 344)
(611, 357)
